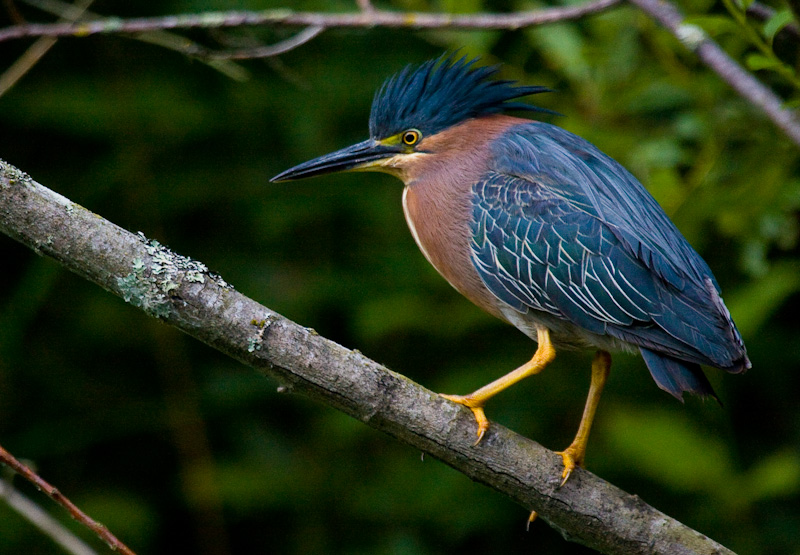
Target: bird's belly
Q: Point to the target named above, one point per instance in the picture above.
(563, 333)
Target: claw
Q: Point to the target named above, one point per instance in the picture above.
(477, 411)
(531, 518)
(572, 459)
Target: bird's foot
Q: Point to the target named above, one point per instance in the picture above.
(572, 457)
(533, 516)
(477, 410)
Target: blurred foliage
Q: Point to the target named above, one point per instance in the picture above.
(177, 448)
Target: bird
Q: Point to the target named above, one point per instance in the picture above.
(539, 228)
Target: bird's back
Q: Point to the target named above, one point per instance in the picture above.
(562, 230)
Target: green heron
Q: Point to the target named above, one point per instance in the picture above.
(541, 229)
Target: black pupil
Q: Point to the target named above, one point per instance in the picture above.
(410, 137)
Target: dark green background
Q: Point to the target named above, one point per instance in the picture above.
(179, 449)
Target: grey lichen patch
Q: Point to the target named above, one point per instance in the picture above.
(692, 36)
(10, 176)
(256, 342)
(216, 278)
(153, 281)
(142, 290)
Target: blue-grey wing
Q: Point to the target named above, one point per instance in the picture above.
(534, 250)
(561, 228)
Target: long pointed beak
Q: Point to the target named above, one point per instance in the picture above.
(360, 156)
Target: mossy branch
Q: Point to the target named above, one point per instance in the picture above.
(182, 293)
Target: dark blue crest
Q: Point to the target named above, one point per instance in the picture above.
(441, 93)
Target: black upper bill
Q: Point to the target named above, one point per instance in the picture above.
(345, 159)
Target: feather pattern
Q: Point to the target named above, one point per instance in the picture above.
(560, 230)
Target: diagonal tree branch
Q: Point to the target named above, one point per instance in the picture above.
(696, 40)
(36, 51)
(184, 294)
(43, 520)
(170, 41)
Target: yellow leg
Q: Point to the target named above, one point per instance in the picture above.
(574, 454)
(476, 400)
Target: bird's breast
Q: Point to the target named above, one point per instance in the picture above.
(411, 214)
(437, 201)
(439, 221)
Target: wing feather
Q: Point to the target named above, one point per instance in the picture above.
(559, 227)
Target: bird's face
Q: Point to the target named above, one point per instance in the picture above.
(412, 113)
(393, 155)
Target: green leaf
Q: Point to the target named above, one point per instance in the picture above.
(758, 62)
(777, 22)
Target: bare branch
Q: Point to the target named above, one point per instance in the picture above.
(181, 292)
(170, 41)
(37, 516)
(54, 494)
(665, 13)
(37, 50)
(288, 18)
(291, 43)
(696, 40)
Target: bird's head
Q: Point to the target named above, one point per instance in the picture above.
(414, 105)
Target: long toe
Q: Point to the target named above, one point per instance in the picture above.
(477, 411)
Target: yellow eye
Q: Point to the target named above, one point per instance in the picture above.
(411, 137)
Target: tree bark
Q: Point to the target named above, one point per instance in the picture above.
(182, 292)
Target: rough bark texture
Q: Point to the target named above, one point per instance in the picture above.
(183, 293)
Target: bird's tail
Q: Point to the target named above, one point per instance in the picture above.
(676, 376)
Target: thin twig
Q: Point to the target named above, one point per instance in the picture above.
(365, 5)
(170, 41)
(363, 19)
(696, 40)
(13, 11)
(38, 517)
(53, 493)
(282, 47)
(37, 50)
